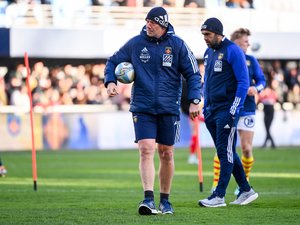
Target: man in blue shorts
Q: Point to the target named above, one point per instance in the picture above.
(226, 83)
(159, 58)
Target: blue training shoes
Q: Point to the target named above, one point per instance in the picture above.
(165, 207)
(147, 207)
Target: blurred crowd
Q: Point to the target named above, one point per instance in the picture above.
(146, 3)
(284, 79)
(247, 4)
(83, 84)
(59, 85)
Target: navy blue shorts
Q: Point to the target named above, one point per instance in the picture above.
(165, 129)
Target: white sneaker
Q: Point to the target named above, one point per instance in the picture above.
(212, 201)
(245, 198)
(192, 159)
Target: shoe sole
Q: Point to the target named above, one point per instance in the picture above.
(250, 199)
(145, 210)
(211, 206)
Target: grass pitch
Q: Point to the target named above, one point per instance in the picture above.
(103, 187)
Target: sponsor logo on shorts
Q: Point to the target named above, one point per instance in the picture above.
(249, 122)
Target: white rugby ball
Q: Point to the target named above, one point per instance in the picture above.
(125, 72)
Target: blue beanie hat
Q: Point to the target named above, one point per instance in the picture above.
(159, 15)
(214, 25)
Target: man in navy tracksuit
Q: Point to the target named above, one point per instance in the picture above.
(226, 83)
(246, 124)
(160, 59)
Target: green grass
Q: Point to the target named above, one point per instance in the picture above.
(103, 187)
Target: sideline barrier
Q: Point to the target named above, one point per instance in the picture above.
(102, 127)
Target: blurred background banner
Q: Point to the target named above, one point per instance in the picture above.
(70, 131)
(114, 130)
(15, 132)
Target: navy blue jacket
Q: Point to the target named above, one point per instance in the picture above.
(226, 79)
(158, 64)
(257, 79)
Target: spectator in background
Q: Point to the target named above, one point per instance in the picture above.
(268, 98)
(96, 2)
(41, 85)
(167, 3)
(279, 81)
(149, 3)
(164, 3)
(119, 3)
(3, 95)
(293, 82)
(46, 2)
(276, 75)
(239, 4)
(16, 85)
(194, 3)
(19, 96)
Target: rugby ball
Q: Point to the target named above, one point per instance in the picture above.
(125, 72)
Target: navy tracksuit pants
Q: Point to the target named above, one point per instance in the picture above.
(224, 134)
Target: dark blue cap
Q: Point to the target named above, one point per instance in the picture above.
(214, 25)
(158, 15)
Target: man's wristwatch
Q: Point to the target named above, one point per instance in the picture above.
(195, 101)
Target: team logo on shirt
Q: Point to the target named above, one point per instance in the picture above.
(168, 50)
(248, 62)
(144, 56)
(220, 56)
(135, 119)
(168, 57)
(249, 121)
(218, 66)
(218, 63)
